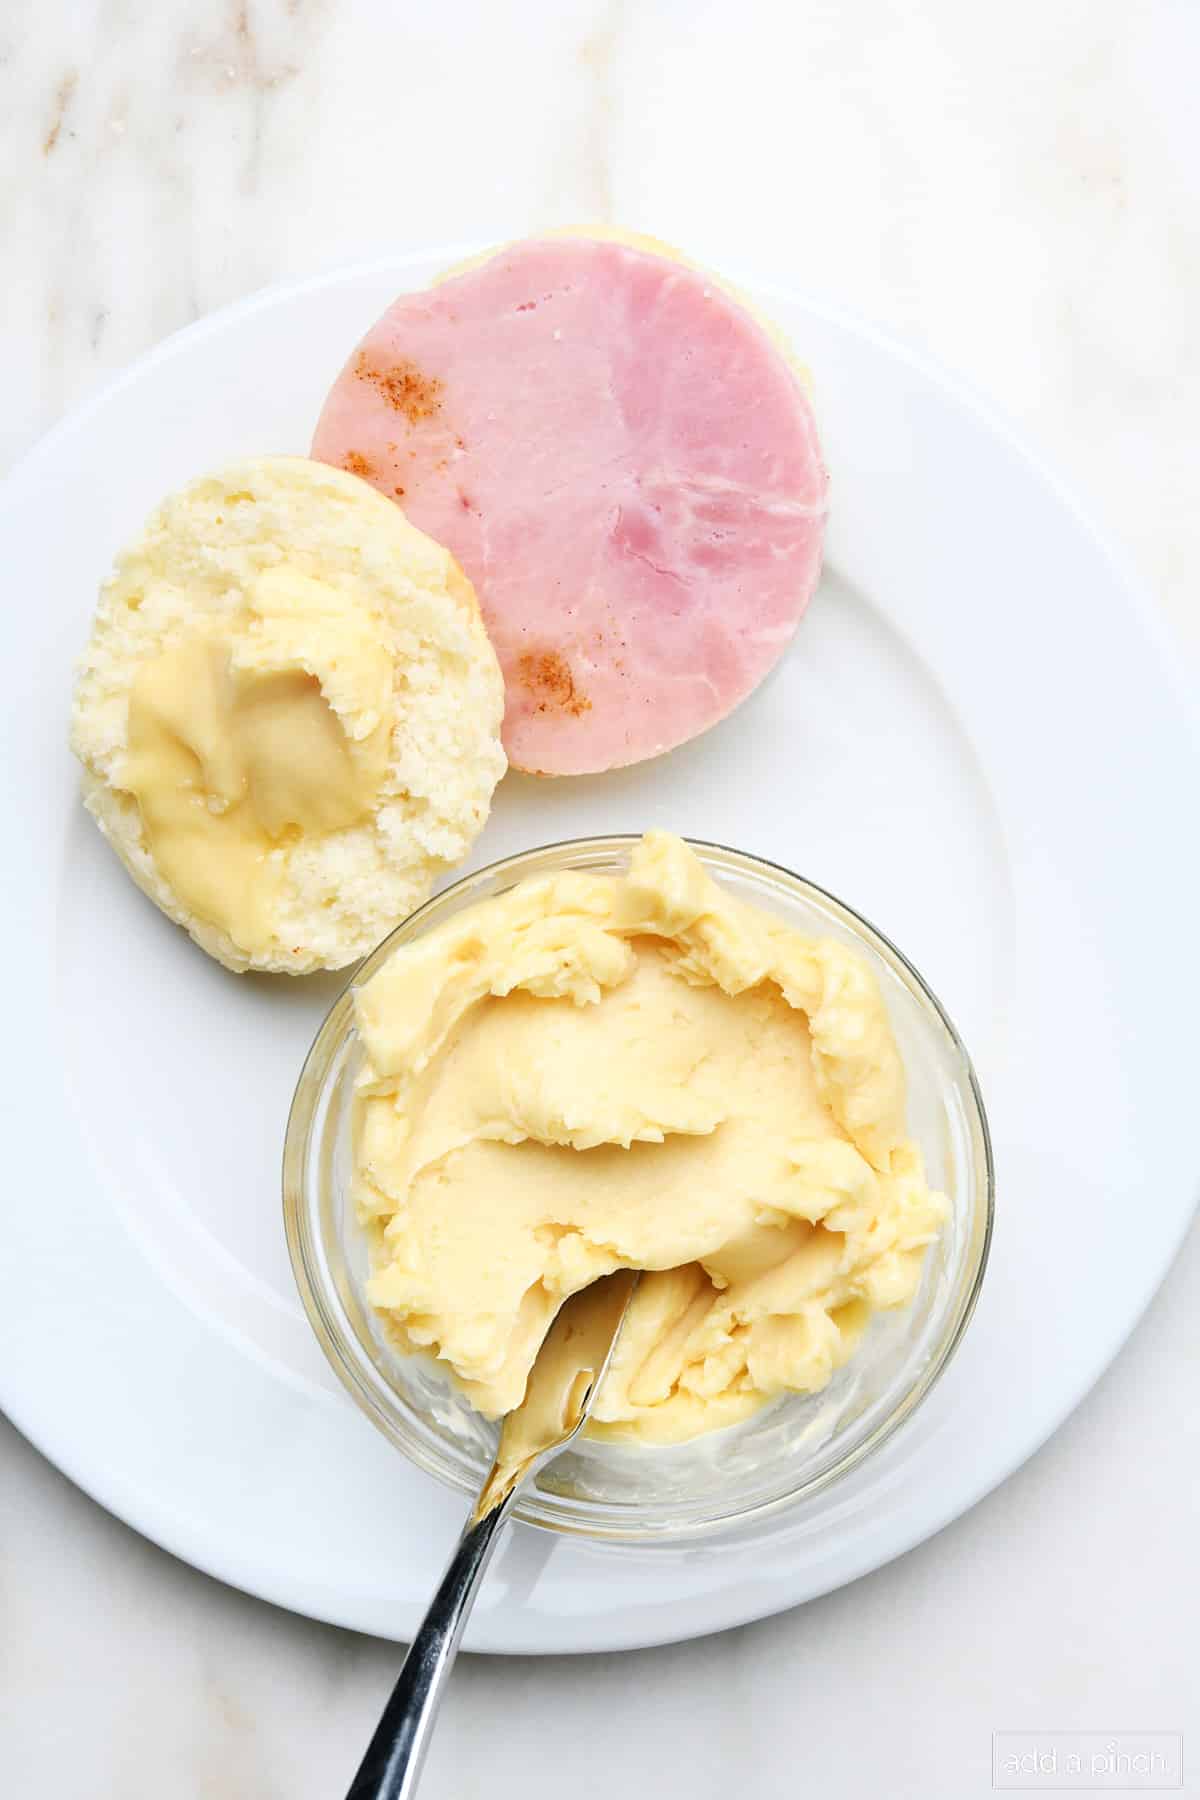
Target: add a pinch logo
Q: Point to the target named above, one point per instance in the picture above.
(1087, 1761)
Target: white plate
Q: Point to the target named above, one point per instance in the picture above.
(974, 739)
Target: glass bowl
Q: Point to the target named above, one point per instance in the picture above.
(791, 1448)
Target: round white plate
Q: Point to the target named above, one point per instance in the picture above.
(974, 740)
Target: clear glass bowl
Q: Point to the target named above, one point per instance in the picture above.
(791, 1448)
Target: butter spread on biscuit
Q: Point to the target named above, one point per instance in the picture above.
(591, 1072)
(267, 727)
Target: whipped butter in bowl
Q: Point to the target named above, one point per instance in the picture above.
(646, 1054)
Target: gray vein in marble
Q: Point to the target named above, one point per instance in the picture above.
(59, 110)
(235, 59)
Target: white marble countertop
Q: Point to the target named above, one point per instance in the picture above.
(1016, 190)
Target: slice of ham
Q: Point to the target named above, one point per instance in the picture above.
(626, 465)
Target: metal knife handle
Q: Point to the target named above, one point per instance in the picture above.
(391, 1767)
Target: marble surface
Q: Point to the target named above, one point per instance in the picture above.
(1015, 189)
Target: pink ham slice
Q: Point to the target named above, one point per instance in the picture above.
(626, 466)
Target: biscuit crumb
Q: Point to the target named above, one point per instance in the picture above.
(357, 464)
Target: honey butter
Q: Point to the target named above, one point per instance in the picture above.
(266, 728)
(288, 714)
(592, 1072)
